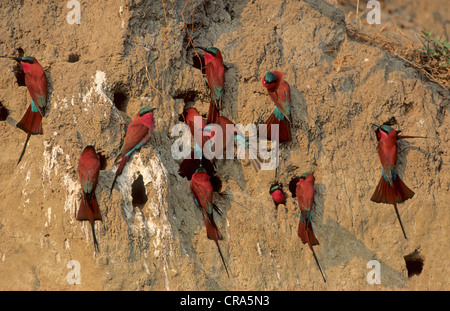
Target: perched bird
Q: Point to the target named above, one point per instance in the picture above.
(36, 83)
(305, 198)
(215, 76)
(278, 196)
(88, 170)
(390, 188)
(230, 135)
(280, 94)
(203, 196)
(138, 133)
(197, 158)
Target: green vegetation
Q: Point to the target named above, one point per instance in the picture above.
(434, 49)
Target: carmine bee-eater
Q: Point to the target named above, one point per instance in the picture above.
(88, 170)
(190, 165)
(232, 134)
(390, 188)
(138, 133)
(215, 76)
(280, 94)
(36, 83)
(277, 193)
(202, 190)
(305, 198)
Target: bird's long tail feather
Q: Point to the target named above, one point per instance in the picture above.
(24, 147)
(284, 128)
(397, 193)
(213, 113)
(400, 220)
(306, 234)
(407, 136)
(31, 123)
(213, 233)
(90, 211)
(318, 265)
(221, 257)
(119, 170)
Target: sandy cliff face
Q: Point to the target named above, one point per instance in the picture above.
(152, 236)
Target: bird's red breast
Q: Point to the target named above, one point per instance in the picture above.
(36, 82)
(387, 148)
(278, 197)
(89, 166)
(202, 189)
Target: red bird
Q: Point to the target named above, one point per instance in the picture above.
(305, 198)
(190, 165)
(278, 196)
(280, 94)
(390, 188)
(36, 83)
(203, 195)
(88, 170)
(215, 76)
(138, 133)
(191, 115)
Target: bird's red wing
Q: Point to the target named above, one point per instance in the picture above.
(37, 87)
(284, 92)
(202, 190)
(304, 202)
(283, 99)
(215, 72)
(89, 168)
(135, 133)
(305, 195)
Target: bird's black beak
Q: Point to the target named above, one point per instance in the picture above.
(373, 124)
(201, 48)
(18, 59)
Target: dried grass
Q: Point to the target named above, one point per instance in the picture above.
(407, 51)
(402, 46)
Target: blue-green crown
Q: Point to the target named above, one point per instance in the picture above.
(28, 59)
(275, 188)
(145, 110)
(200, 170)
(212, 50)
(270, 77)
(386, 128)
